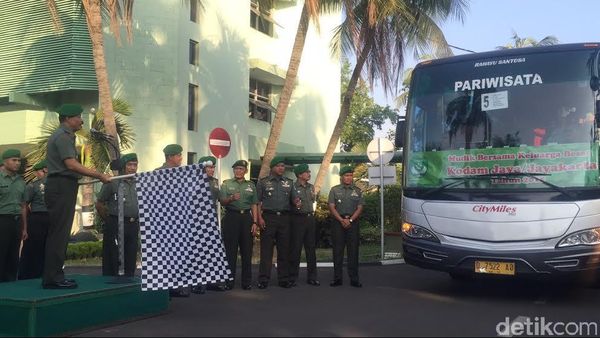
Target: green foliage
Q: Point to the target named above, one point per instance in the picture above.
(83, 250)
(365, 115)
(369, 221)
(100, 159)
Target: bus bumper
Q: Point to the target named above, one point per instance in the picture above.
(461, 260)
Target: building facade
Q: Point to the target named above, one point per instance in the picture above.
(188, 70)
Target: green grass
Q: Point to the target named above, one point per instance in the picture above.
(95, 261)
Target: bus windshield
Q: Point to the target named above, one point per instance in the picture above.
(506, 119)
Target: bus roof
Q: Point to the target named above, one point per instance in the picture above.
(510, 52)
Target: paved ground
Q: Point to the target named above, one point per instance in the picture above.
(396, 300)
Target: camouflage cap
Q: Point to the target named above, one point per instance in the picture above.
(172, 149)
(211, 159)
(10, 153)
(70, 110)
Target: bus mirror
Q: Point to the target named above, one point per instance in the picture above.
(594, 83)
(400, 133)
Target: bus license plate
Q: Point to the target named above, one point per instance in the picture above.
(496, 268)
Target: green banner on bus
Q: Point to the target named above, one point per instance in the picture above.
(565, 165)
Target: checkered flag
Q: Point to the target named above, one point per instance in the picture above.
(181, 242)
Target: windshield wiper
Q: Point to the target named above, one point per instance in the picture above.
(534, 176)
(463, 179)
(458, 180)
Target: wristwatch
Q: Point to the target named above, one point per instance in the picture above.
(350, 220)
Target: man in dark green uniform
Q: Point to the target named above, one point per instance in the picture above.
(173, 159)
(238, 196)
(173, 156)
(31, 264)
(345, 206)
(13, 223)
(61, 194)
(303, 226)
(274, 196)
(108, 208)
(209, 168)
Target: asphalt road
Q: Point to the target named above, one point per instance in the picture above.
(396, 300)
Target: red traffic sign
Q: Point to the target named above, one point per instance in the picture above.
(219, 142)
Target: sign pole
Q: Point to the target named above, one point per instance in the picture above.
(381, 190)
(219, 201)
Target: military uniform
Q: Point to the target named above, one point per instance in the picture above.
(347, 198)
(303, 230)
(131, 227)
(12, 193)
(31, 264)
(237, 226)
(61, 197)
(274, 193)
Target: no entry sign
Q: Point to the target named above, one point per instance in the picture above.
(219, 142)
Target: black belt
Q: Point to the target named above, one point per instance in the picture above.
(237, 211)
(306, 214)
(275, 212)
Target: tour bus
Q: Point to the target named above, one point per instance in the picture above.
(501, 163)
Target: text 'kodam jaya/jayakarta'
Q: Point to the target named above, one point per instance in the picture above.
(498, 82)
(528, 168)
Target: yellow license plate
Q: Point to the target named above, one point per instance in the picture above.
(496, 268)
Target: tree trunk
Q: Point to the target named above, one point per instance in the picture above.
(344, 110)
(93, 15)
(286, 93)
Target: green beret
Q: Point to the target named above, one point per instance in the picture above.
(207, 159)
(300, 168)
(128, 158)
(70, 110)
(276, 160)
(240, 163)
(10, 153)
(172, 149)
(40, 165)
(346, 169)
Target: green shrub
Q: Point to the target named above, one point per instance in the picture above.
(83, 250)
(369, 221)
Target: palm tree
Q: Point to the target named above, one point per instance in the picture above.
(519, 42)
(379, 34)
(117, 11)
(310, 11)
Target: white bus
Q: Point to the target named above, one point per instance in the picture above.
(501, 163)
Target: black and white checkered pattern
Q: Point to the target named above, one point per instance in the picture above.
(181, 242)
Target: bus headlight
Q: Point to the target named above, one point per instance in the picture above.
(585, 237)
(415, 231)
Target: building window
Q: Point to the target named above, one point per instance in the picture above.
(260, 19)
(260, 101)
(194, 10)
(191, 158)
(194, 52)
(192, 106)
